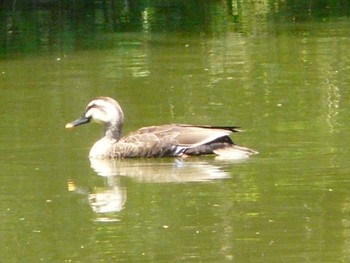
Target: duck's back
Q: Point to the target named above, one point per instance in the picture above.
(172, 140)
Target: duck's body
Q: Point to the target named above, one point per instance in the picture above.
(155, 141)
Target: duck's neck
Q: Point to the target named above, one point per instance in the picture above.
(113, 131)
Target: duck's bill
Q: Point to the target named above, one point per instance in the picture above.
(81, 120)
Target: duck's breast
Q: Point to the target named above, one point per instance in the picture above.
(102, 149)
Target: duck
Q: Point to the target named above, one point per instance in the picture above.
(167, 140)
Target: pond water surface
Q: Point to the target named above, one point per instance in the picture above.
(287, 86)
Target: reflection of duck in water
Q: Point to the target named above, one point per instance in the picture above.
(165, 171)
(103, 199)
(155, 141)
(109, 199)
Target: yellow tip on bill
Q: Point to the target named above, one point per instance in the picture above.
(69, 125)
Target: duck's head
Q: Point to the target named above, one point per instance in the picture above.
(104, 110)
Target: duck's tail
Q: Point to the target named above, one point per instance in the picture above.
(235, 152)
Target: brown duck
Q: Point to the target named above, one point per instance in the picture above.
(156, 141)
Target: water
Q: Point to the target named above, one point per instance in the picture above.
(285, 84)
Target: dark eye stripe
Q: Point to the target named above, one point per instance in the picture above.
(99, 107)
(90, 107)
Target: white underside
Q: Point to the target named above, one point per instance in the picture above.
(101, 149)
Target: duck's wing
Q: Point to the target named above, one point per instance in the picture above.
(144, 144)
(191, 136)
(174, 140)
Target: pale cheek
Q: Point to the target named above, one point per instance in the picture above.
(96, 116)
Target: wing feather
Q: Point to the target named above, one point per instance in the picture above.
(185, 135)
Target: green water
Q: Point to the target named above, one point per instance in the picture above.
(286, 85)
